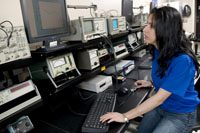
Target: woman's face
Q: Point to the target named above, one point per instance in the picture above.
(149, 32)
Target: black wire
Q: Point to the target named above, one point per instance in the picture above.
(108, 41)
(8, 40)
(85, 98)
(4, 32)
(112, 51)
(74, 112)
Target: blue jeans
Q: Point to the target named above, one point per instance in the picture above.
(160, 121)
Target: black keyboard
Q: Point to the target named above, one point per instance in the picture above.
(105, 102)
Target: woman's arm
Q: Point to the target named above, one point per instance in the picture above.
(149, 104)
(146, 106)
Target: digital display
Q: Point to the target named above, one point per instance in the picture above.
(88, 26)
(58, 62)
(115, 24)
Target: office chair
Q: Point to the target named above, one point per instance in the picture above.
(197, 126)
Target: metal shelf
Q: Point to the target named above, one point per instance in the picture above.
(16, 64)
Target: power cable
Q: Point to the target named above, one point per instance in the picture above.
(8, 38)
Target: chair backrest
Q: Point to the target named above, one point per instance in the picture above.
(197, 86)
(196, 128)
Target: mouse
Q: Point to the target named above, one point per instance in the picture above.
(122, 91)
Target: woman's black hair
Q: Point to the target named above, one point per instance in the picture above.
(170, 37)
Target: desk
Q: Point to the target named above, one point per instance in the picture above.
(129, 101)
(132, 100)
(63, 120)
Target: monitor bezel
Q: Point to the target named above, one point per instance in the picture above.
(47, 38)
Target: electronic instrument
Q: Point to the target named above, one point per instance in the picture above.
(85, 29)
(60, 64)
(17, 98)
(18, 47)
(96, 84)
(61, 67)
(116, 24)
(22, 125)
(125, 66)
(120, 50)
(88, 59)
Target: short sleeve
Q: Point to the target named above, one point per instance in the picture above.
(179, 76)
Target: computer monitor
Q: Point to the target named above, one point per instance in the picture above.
(127, 10)
(45, 20)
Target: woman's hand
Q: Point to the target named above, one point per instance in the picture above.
(143, 83)
(112, 116)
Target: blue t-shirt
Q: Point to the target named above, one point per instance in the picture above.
(179, 80)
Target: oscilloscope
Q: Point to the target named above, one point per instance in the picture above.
(85, 29)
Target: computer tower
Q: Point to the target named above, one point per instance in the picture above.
(127, 10)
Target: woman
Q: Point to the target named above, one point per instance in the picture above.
(173, 108)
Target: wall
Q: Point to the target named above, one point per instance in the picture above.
(188, 22)
(105, 6)
(11, 10)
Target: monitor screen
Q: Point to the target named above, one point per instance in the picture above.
(127, 10)
(45, 20)
(115, 24)
(88, 26)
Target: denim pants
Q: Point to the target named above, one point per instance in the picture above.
(161, 121)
